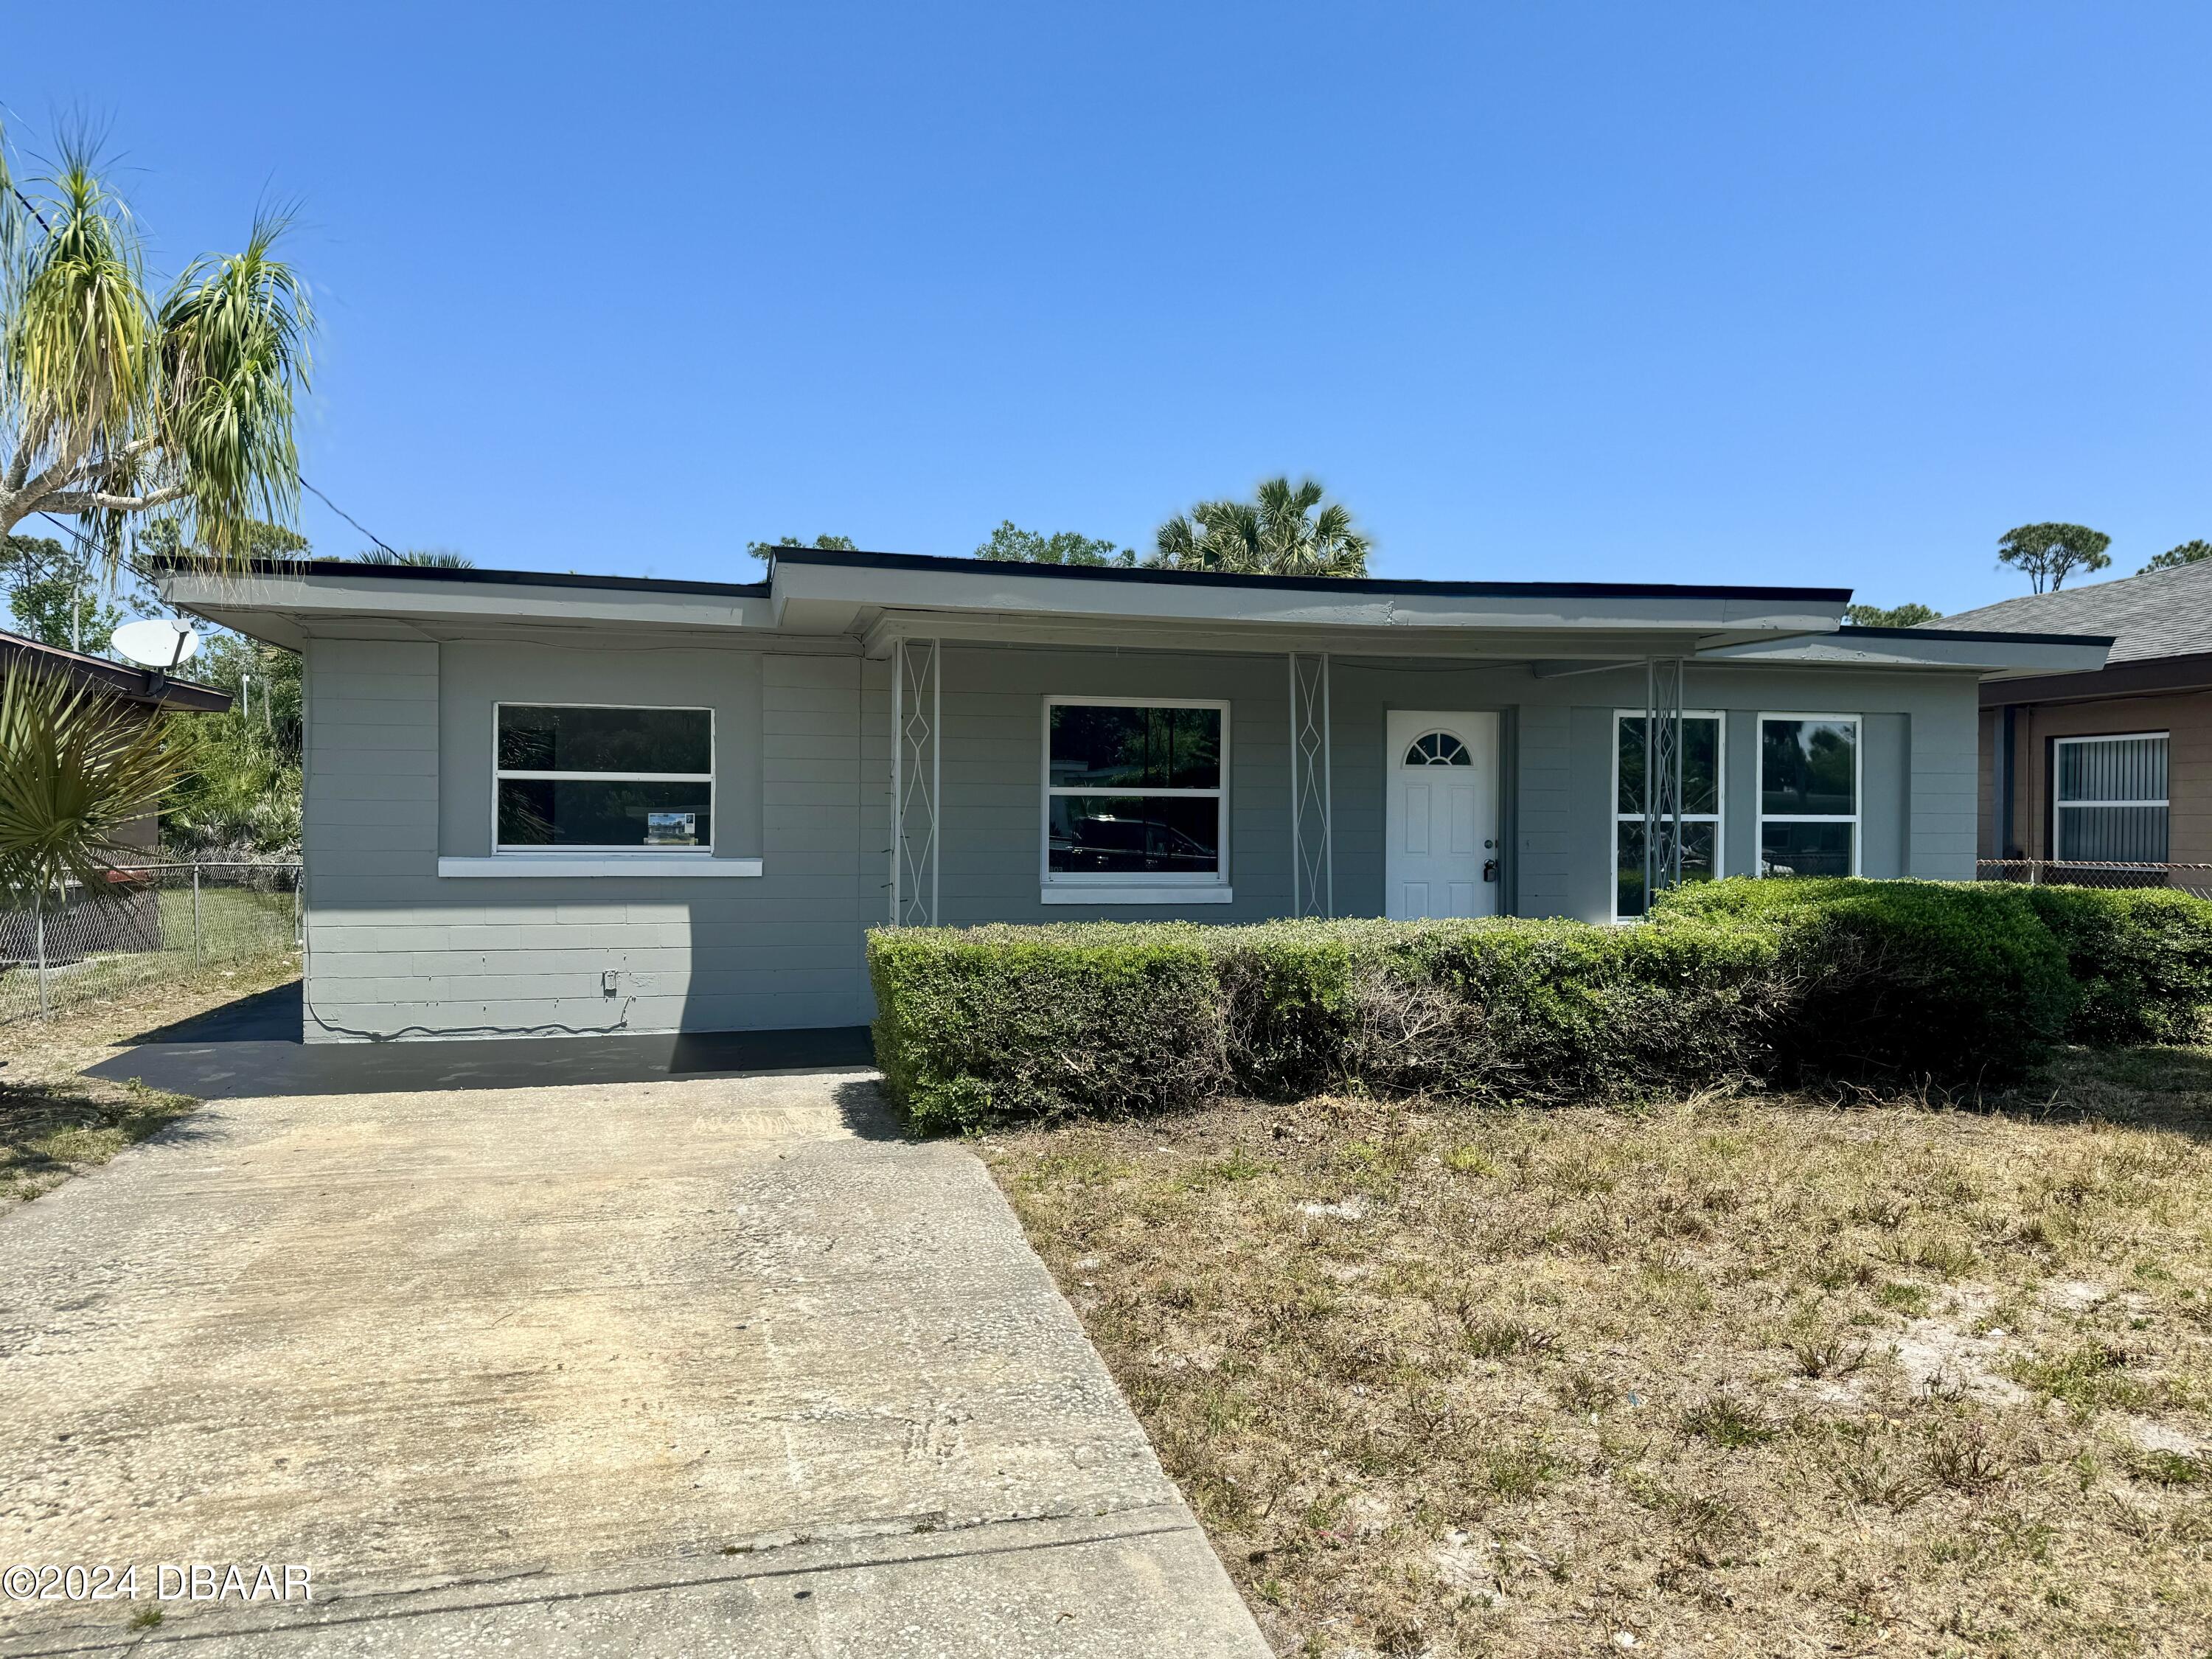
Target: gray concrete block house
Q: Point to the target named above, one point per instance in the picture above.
(539, 803)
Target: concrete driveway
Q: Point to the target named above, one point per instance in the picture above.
(708, 1367)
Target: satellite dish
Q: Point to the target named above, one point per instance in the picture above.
(156, 642)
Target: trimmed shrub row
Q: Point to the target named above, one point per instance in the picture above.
(1867, 981)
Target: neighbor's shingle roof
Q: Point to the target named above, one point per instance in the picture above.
(2167, 613)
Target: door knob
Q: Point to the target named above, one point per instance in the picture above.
(1490, 869)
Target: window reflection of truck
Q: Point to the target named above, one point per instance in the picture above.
(1105, 842)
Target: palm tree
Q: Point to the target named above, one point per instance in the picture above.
(1279, 534)
(436, 558)
(78, 765)
(114, 403)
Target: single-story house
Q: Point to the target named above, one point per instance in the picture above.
(146, 690)
(2114, 766)
(542, 802)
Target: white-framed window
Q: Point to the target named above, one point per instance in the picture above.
(2108, 797)
(1810, 768)
(1704, 741)
(602, 778)
(1136, 793)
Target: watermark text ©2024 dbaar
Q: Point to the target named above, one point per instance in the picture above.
(162, 1580)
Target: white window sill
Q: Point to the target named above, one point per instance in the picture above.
(1137, 896)
(605, 864)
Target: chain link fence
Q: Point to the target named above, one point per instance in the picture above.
(155, 922)
(2086, 872)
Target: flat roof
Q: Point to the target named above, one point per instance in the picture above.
(840, 558)
(1999, 636)
(173, 564)
(127, 679)
(1367, 584)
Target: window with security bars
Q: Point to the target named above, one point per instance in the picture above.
(2109, 799)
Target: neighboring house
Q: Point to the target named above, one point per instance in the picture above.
(2115, 766)
(146, 689)
(559, 803)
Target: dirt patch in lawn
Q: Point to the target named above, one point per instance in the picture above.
(1737, 1375)
(55, 1122)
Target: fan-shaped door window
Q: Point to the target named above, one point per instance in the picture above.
(1438, 749)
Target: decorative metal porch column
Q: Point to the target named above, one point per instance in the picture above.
(917, 718)
(1313, 862)
(1662, 776)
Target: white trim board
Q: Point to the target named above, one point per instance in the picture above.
(1114, 894)
(652, 866)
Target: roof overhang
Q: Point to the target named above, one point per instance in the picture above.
(287, 605)
(150, 687)
(876, 598)
(2138, 677)
(1989, 655)
(821, 591)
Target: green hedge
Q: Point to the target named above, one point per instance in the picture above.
(982, 1024)
(2142, 959)
(1963, 984)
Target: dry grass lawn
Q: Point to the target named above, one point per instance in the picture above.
(54, 1123)
(1738, 1376)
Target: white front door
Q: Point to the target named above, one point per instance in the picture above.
(1442, 816)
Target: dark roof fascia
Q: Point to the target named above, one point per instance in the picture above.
(147, 685)
(1995, 636)
(2137, 677)
(185, 566)
(919, 562)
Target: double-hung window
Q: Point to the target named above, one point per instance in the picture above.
(2109, 799)
(1136, 795)
(587, 777)
(1701, 805)
(1808, 794)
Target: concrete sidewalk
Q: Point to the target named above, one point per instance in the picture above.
(687, 1368)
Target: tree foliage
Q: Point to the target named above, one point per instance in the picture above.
(241, 795)
(57, 596)
(1288, 530)
(114, 402)
(163, 540)
(2193, 552)
(1893, 616)
(765, 552)
(2050, 553)
(1010, 545)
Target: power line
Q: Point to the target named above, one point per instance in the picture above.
(348, 517)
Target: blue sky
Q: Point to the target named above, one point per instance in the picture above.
(1712, 293)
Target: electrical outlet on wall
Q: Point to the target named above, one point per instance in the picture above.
(607, 982)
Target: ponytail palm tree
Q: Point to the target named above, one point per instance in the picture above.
(115, 403)
(1279, 534)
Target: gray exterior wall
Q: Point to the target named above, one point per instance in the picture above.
(398, 772)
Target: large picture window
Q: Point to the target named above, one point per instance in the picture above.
(2109, 797)
(1808, 794)
(588, 777)
(1701, 805)
(1136, 792)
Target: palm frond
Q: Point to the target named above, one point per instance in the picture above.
(1272, 535)
(78, 766)
(234, 333)
(76, 363)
